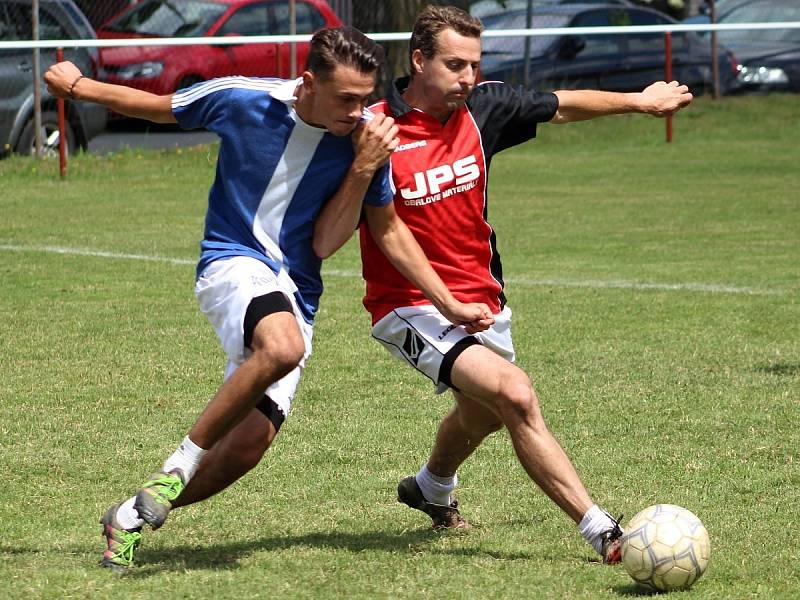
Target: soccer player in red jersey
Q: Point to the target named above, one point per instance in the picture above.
(449, 130)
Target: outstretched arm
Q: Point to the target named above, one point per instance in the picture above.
(373, 144)
(65, 80)
(397, 242)
(660, 99)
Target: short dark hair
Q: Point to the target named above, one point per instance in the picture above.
(343, 46)
(435, 19)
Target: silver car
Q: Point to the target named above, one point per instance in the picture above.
(58, 19)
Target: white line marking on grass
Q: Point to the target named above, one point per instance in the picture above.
(96, 253)
(711, 288)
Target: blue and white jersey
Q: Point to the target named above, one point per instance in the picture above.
(274, 173)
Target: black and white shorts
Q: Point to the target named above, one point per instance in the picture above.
(422, 337)
(225, 291)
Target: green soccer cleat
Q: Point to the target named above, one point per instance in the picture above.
(154, 500)
(443, 516)
(121, 542)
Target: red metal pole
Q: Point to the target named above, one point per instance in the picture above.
(668, 75)
(62, 133)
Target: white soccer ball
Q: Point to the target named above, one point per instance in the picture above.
(665, 547)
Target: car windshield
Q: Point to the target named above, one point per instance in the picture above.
(168, 18)
(762, 12)
(516, 44)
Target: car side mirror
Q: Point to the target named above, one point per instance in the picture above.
(570, 47)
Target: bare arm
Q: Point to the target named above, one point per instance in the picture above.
(65, 80)
(373, 144)
(397, 242)
(660, 99)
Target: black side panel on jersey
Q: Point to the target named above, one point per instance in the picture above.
(507, 115)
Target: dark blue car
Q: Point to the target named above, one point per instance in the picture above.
(621, 63)
(769, 59)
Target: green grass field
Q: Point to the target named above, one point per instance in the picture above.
(655, 296)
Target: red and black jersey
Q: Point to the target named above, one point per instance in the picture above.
(439, 173)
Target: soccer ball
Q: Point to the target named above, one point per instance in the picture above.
(665, 547)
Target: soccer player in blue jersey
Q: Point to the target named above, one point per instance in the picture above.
(288, 148)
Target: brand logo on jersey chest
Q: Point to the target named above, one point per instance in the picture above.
(431, 181)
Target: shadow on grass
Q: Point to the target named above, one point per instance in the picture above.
(780, 369)
(633, 590)
(228, 556)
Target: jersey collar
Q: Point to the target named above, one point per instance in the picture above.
(285, 91)
(395, 97)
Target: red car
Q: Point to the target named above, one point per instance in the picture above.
(165, 69)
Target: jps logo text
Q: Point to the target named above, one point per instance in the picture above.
(431, 181)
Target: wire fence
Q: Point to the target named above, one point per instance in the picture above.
(161, 50)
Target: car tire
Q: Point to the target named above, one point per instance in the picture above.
(27, 142)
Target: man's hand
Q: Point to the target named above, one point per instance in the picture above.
(374, 143)
(60, 77)
(475, 316)
(662, 99)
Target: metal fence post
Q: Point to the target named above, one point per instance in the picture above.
(292, 45)
(714, 52)
(37, 86)
(668, 75)
(62, 127)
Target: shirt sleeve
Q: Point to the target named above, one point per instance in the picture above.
(380, 192)
(508, 115)
(204, 105)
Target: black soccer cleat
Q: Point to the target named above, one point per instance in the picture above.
(443, 516)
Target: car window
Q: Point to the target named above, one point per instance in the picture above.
(11, 19)
(15, 24)
(168, 18)
(759, 12)
(78, 20)
(49, 27)
(516, 44)
(252, 19)
(308, 19)
(602, 44)
(651, 42)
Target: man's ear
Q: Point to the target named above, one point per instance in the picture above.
(417, 61)
(308, 81)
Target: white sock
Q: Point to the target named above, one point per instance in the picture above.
(594, 524)
(186, 458)
(127, 517)
(436, 489)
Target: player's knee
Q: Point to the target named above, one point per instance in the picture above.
(518, 401)
(280, 356)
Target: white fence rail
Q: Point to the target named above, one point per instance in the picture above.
(391, 37)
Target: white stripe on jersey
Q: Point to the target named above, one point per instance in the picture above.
(298, 153)
(185, 98)
(367, 115)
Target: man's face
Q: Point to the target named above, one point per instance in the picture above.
(340, 98)
(449, 77)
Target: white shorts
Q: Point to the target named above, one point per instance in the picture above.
(225, 290)
(422, 337)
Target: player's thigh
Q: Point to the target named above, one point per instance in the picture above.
(248, 305)
(489, 379)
